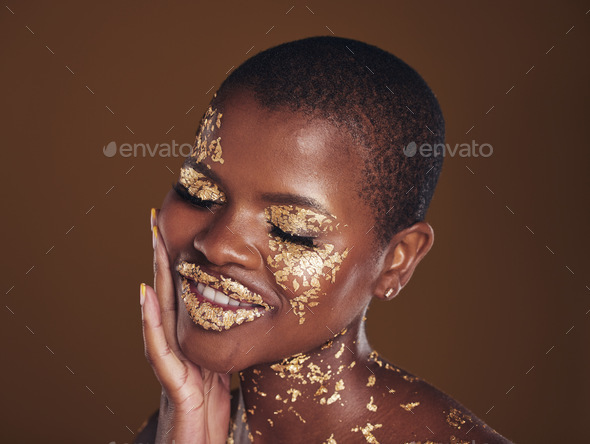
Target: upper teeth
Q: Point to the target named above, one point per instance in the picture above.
(217, 296)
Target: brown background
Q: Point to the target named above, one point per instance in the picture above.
(484, 307)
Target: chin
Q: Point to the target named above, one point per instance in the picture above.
(207, 351)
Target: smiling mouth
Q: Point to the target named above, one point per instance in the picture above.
(218, 303)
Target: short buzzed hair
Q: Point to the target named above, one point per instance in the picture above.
(381, 102)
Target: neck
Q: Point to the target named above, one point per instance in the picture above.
(319, 386)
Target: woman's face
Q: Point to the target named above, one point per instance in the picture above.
(265, 212)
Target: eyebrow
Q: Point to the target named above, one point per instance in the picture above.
(296, 199)
(276, 198)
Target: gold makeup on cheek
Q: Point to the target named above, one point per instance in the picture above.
(205, 145)
(298, 266)
(200, 186)
(302, 268)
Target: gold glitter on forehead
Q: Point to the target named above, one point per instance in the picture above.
(371, 381)
(200, 186)
(456, 419)
(300, 221)
(205, 145)
(409, 406)
(366, 431)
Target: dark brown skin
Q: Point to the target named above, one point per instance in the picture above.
(282, 152)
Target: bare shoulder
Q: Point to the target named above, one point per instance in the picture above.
(422, 413)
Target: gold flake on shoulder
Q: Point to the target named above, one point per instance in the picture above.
(409, 406)
(455, 440)
(291, 409)
(371, 405)
(294, 394)
(371, 381)
(456, 419)
(366, 431)
(330, 440)
(335, 397)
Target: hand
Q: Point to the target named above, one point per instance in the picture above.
(194, 406)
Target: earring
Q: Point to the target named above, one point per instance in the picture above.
(388, 293)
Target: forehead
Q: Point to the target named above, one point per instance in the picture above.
(268, 151)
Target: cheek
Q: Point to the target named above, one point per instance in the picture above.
(178, 225)
(305, 273)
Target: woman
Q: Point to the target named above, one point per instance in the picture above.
(297, 207)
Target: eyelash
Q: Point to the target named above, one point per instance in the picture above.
(183, 193)
(304, 241)
(292, 238)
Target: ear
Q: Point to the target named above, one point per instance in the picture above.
(401, 256)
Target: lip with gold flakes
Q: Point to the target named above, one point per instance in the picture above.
(218, 303)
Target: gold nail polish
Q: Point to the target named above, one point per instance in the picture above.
(152, 218)
(141, 294)
(154, 236)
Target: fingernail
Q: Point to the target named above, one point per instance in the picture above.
(154, 236)
(152, 218)
(141, 294)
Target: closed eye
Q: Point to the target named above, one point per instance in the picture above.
(292, 238)
(183, 193)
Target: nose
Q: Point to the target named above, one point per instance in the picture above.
(228, 240)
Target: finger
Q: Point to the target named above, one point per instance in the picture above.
(169, 370)
(165, 290)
